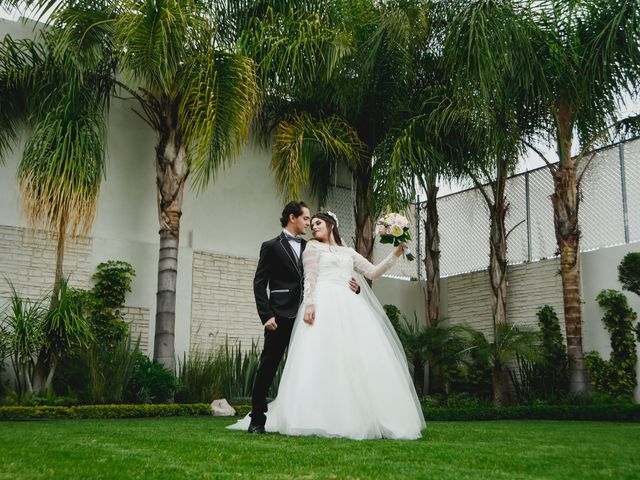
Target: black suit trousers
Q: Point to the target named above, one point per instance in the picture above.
(275, 344)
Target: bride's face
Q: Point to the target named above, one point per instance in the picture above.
(319, 230)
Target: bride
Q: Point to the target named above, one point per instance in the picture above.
(346, 374)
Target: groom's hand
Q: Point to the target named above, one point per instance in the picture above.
(353, 285)
(271, 324)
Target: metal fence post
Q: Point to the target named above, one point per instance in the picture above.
(623, 186)
(528, 210)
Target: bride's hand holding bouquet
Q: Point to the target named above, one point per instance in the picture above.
(393, 228)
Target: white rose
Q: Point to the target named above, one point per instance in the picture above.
(396, 230)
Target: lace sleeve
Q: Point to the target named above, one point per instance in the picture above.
(368, 269)
(310, 258)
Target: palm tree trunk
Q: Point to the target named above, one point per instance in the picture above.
(62, 237)
(432, 258)
(45, 366)
(499, 379)
(498, 243)
(566, 202)
(171, 174)
(364, 211)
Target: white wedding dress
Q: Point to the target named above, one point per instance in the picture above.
(346, 375)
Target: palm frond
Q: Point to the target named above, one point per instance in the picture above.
(488, 45)
(219, 99)
(62, 168)
(294, 49)
(155, 39)
(305, 147)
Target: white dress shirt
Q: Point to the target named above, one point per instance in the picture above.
(295, 246)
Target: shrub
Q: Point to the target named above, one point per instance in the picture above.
(36, 338)
(111, 370)
(104, 411)
(152, 382)
(103, 303)
(546, 379)
(629, 272)
(200, 377)
(617, 376)
(610, 413)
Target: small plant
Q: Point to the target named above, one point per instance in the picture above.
(617, 376)
(629, 272)
(546, 379)
(200, 377)
(37, 338)
(152, 382)
(103, 303)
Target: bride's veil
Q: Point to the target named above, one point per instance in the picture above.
(390, 333)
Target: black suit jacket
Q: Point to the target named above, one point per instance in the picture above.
(280, 270)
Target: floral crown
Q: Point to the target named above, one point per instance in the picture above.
(333, 215)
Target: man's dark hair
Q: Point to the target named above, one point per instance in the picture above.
(292, 208)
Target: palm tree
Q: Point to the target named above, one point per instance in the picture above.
(62, 97)
(509, 343)
(191, 88)
(571, 62)
(344, 112)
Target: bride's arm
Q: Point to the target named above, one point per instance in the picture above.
(310, 258)
(371, 271)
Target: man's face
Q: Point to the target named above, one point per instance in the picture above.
(301, 223)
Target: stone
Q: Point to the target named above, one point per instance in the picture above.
(221, 408)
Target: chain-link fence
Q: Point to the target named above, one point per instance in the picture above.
(609, 215)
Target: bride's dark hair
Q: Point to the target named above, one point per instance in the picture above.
(331, 224)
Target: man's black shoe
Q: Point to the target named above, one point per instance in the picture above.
(258, 429)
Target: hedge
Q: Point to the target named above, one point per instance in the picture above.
(105, 411)
(613, 413)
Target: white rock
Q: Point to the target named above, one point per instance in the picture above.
(221, 408)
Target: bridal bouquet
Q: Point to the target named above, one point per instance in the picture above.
(394, 228)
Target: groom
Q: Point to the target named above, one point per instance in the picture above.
(279, 268)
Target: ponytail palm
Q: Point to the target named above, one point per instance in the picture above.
(62, 96)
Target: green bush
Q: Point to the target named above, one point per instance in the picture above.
(629, 272)
(200, 377)
(546, 379)
(152, 382)
(104, 411)
(613, 412)
(610, 413)
(242, 410)
(617, 376)
(103, 303)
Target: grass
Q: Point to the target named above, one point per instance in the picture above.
(200, 447)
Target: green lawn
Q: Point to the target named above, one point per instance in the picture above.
(202, 448)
